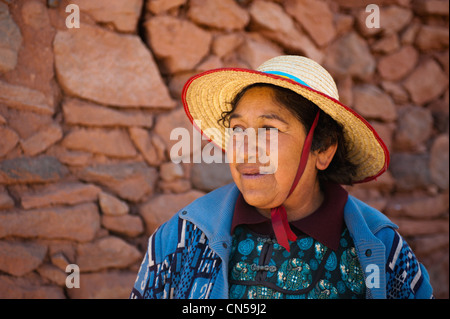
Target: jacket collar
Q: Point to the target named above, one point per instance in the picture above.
(213, 213)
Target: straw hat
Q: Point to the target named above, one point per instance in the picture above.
(208, 94)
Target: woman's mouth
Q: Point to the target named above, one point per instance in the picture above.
(252, 176)
(251, 172)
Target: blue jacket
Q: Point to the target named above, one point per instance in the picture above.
(188, 256)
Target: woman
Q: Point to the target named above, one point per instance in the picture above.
(287, 230)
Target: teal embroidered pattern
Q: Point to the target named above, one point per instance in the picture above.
(259, 268)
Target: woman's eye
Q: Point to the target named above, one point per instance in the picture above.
(269, 129)
(238, 129)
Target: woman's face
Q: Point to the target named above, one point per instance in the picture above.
(257, 109)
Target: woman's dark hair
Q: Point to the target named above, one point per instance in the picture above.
(328, 132)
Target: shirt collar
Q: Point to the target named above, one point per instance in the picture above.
(324, 225)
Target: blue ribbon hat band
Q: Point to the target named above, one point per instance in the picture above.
(287, 75)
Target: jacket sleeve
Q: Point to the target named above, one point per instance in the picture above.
(144, 280)
(155, 267)
(406, 277)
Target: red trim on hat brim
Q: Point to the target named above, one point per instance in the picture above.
(363, 120)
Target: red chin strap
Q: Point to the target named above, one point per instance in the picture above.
(280, 224)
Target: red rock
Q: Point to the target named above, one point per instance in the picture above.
(42, 140)
(10, 40)
(34, 14)
(25, 123)
(426, 83)
(315, 17)
(53, 274)
(107, 252)
(23, 98)
(410, 171)
(220, 14)
(145, 143)
(60, 260)
(224, 44)
(105, 285)
(209, 176)
(396, 91)
(392, 20)
(408, 227)
(18, 259)
(79, 223)
(61, 247)
(209, 63)
(395, 18)
(257, 50)
(31, 170)
(170, 171)
(431, 7)
(432, 38)
(71, 158)
(345, 89)
(372, 103)
(388, 44)
(60, 194)
(161, 208)
(165, 126)
(386, 132)
(350, 55)
(127, 76)
(270, 20)
(111, 205)
(6, 202)
(159, 6)
(35, 67)
(409, 35)
(180, 44)
(177, 186)
(344, 23)
(427, 245)
(8, 140)
(415, 125)
(114, 143)
(25, 288)
(418, 207)
(79, 112)
(399, 64)
(127, 225)
(382, 185)
(360, 3)
(131, 181)
(270, 16)
(439, 160)
(123, 15)
(443, 59)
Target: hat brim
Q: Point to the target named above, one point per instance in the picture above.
(207, 95)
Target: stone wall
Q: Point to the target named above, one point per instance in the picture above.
(86, 115)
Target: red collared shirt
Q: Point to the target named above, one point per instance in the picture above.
(324, 225)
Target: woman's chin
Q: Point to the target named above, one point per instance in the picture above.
(260, 200)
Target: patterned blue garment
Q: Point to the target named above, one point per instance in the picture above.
(260, 268)
(189, 257)
(404, 276)
(192, 268)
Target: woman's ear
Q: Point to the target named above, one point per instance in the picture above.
(325, 157)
